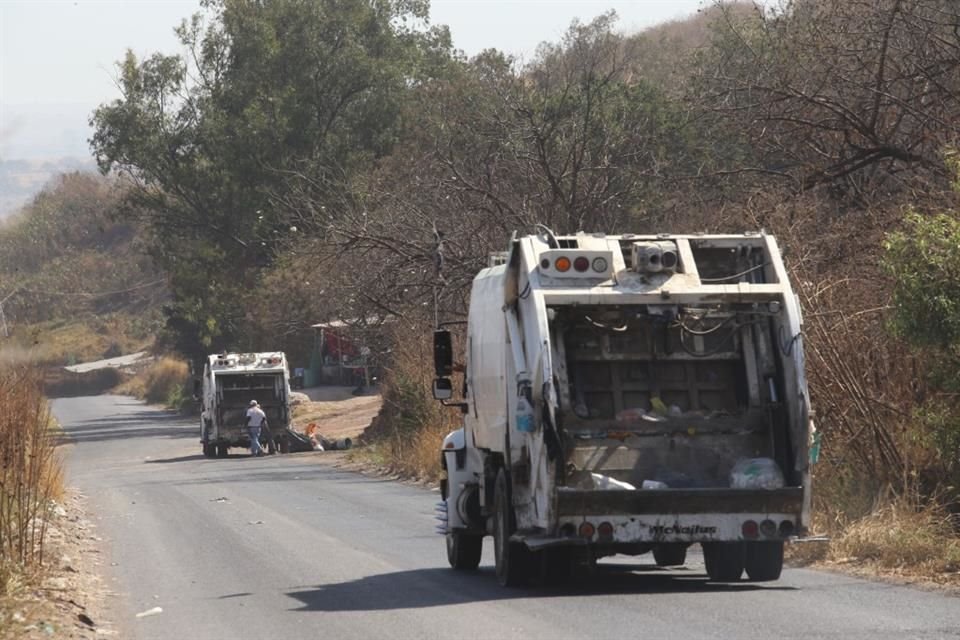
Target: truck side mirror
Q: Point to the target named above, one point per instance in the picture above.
(442, 353)
(442, 389)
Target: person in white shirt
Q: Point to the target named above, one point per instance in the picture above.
(256, 419)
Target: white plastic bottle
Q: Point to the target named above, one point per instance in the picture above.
(524, 415)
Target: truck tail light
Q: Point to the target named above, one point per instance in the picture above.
(768, 528)
(562, 264)
(750, 529)
(786, 529)
(600, 265)
(581, 264)
(587, 530)
(605, 530)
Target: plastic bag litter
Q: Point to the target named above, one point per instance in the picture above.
(756, 473)
(654, 484)
(601, 481)
(638, 415)
(631, 415)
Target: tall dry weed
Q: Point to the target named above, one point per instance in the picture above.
(165, 381)
(30, 470)
(409, 431)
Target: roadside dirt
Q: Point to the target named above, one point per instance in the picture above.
(336, 412)
(71, 600)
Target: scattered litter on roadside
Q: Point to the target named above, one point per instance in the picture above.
(85, 619)
(220, 499)
(150, 612)
(319, 443)
(255, 522)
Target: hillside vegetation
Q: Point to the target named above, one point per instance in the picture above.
(77, 281)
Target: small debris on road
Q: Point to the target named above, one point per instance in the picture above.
(255, 522)
(220, 499)
(150, 612)
(85, 619)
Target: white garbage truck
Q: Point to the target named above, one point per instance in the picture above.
(624, 395)
(230, 381)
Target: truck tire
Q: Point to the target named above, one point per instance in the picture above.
(222, 450)
(284, 444)
(209, 450)
(271, 446)
(670, 555)
(763, 560)
(511, 558)
(463, 550)
(724, 560)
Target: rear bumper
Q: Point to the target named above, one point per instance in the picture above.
(676, 515)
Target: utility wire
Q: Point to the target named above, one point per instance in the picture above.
(89, 294)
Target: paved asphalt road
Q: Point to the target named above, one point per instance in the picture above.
(290, 547)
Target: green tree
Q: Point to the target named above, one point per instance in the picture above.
(924, 261)
(269, 93)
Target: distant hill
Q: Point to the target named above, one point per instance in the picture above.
(76, 280)
(21, 180)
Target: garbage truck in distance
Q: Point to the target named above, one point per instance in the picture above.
(230, 382)
(625, 395)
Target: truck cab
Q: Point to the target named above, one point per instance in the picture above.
(630, 394)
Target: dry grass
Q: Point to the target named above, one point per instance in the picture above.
(30, 476)
(901, 538)
(407, 434)
(904, 537)
(164, 381)
(65, 342)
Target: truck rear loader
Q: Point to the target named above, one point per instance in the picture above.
(624, 395)
(230, 382)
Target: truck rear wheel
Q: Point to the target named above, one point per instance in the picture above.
(511, 558)
(463, 550)
(670, 555)
(209, 450)
(222, 450)
(724, 560)
(763, 560)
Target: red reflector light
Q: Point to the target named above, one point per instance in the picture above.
(562, 264)
(750, 529)
(605, 530)
(587, 530)
(581, 264)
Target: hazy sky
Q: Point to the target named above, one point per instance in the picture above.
(57, 57)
